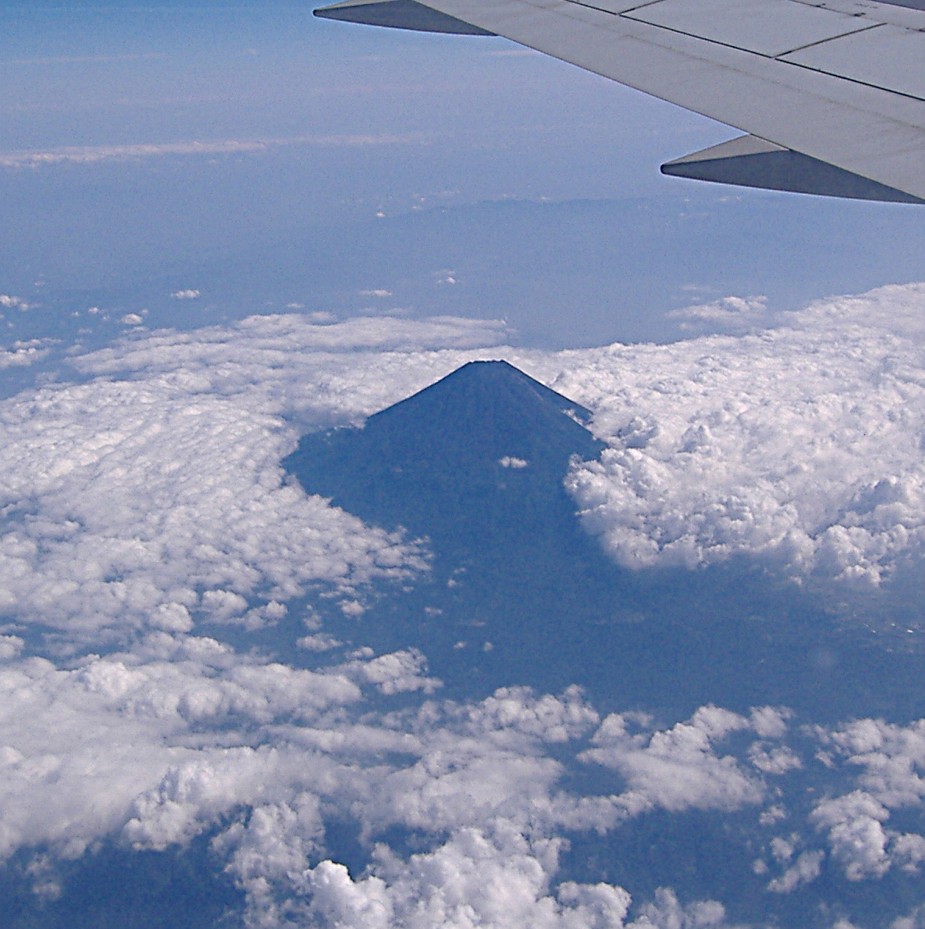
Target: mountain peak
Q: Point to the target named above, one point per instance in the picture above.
(487, 393)
(482, 452)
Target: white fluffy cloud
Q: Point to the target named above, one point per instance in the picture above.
(316, 373)
(856, 834)
(806, 868)
(156, 496)
(678, 768)
(12, 302)
(495, 878)
(136, 504)
(890, 762)
(397, 672)
(21, 354)
(891, 758)
(110, 744)
(914, 920)
(801, 445)
(156, 746)
(159, 744)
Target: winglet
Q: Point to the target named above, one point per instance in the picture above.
(748, 161)
(398, 14)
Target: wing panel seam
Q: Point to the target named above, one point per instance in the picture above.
(591, 6)
(747, 51)
(834, 38)
(739, 48)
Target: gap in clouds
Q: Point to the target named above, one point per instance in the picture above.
(667, 641)
(181, 886)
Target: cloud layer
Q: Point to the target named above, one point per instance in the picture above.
(800, 445)
(134, 505)
(150, 496)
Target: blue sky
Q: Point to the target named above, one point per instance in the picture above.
(266, 158)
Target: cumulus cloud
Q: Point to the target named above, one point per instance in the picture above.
(891, 758)
(492, 878)
(856, 834)
(316, 371)
(806, 868)
(494, 874)
(188, 294)
(549, 718)
(914, 920)
(778, 759)
(109, 734)
(318, 642)
(184, 735)
(158, 743)
(889, 761)
(511, 461)
(217, 394)
(152, 495)
(22, 354)
(11, 302)
(137, 504)
(800, 445)
(678, 768)
(397, 672)
(666, 911)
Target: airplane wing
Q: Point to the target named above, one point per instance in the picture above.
(829, 93)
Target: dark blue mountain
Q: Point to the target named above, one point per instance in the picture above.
(475, 463)
(520, 593)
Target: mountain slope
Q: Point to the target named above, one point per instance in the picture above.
(473, 462)
(518, 592)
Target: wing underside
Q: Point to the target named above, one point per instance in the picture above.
(829, 93)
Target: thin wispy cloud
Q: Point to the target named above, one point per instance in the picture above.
(94, 154)
(86, 59)
(733, 314)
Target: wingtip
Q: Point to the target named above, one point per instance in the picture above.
(398, 14)
(748, 161)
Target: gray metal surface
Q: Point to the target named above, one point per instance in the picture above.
(910, 4)
(889, 57)
(750, 162)
(398, 14)
(753, 25)
(841, 84)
